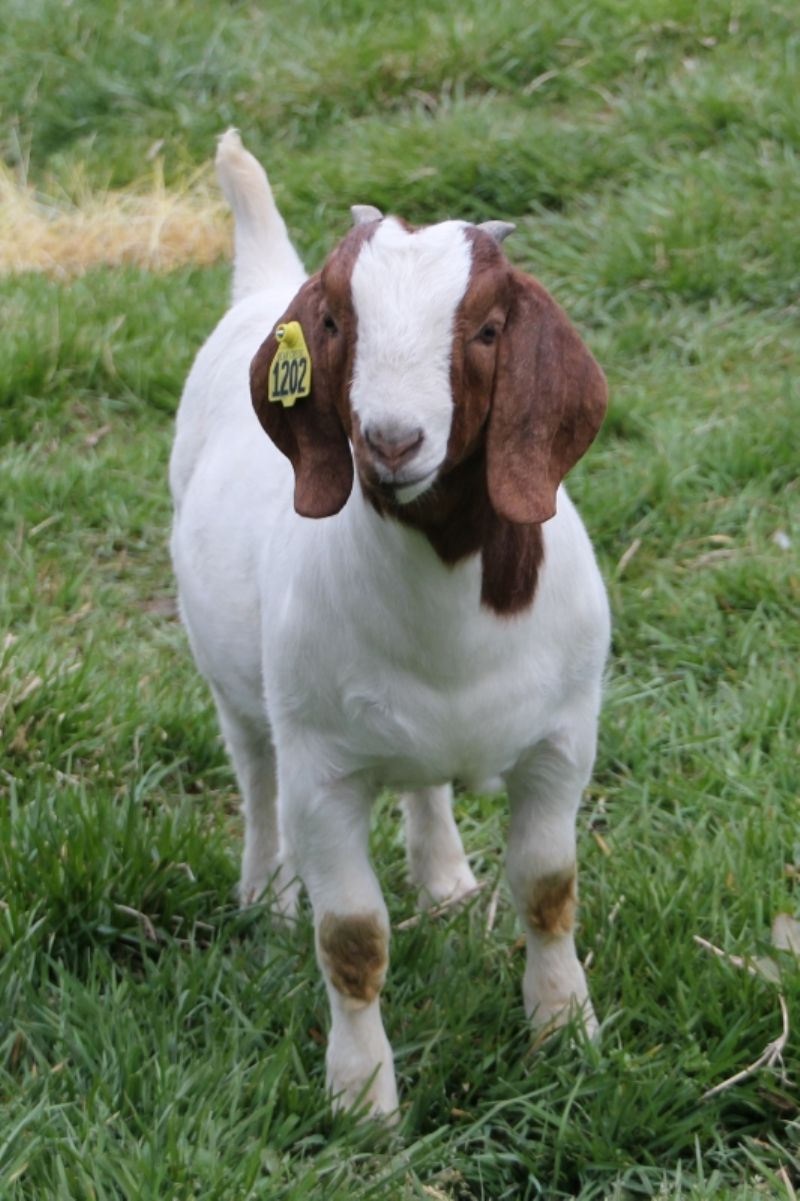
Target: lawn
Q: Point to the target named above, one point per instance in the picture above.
(155, 1041)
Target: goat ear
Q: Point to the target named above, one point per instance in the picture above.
(310, 433)
(549, 400)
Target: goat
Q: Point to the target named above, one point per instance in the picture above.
(428, 609)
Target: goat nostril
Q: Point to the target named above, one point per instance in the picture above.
(396, 450)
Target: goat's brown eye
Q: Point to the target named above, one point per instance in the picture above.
(330, 324)
(488, 334)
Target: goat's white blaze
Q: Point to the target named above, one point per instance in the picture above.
(406, 290)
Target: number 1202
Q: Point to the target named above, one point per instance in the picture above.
(288, 376)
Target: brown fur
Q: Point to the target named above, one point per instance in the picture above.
(526, 407)
(549, 400)
(552, 902)
(313, 433)
(353, 950)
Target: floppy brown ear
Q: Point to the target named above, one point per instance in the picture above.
(310, 433)
(549, 400)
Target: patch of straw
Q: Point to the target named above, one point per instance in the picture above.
(148, 225)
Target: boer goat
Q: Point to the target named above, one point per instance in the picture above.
(429, 607)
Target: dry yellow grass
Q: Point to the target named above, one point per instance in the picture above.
(147, 225)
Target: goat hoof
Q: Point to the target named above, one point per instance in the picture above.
(547, 1020)
(450, 888)
(371, 1097)
(280, 891)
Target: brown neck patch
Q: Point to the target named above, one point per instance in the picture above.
(458, 520)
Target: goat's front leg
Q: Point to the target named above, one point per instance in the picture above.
(545, 792)
(328, 827)
(437, 865)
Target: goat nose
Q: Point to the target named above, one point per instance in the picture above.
(394, 449)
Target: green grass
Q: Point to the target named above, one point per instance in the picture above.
(154, 1041)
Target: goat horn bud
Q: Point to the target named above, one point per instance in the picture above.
(364, 213)
(497, 229)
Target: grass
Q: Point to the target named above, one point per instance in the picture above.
(155, 1042)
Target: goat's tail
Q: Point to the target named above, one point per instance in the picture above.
(264, 256)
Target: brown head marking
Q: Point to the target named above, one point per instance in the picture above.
(313, 434)
(549, 400)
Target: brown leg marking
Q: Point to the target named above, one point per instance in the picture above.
(353, 950)
(551, 904)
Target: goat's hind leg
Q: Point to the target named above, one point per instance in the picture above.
(266, 864)
(437, 865)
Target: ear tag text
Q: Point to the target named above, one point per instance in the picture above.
(290, 370)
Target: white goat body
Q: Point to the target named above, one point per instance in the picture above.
(381, 644)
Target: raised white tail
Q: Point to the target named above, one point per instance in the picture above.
(264, 255)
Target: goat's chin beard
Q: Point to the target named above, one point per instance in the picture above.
(399, 494)
(404, 494)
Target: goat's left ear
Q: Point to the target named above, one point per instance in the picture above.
(549, 400)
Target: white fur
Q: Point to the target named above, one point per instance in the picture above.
(344, 655)
(406, 289)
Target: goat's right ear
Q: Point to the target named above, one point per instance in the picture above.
(310, 433)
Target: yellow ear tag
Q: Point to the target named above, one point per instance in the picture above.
(290, 370)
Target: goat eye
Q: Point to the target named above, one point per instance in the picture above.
(330, 324)
(488, 334)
